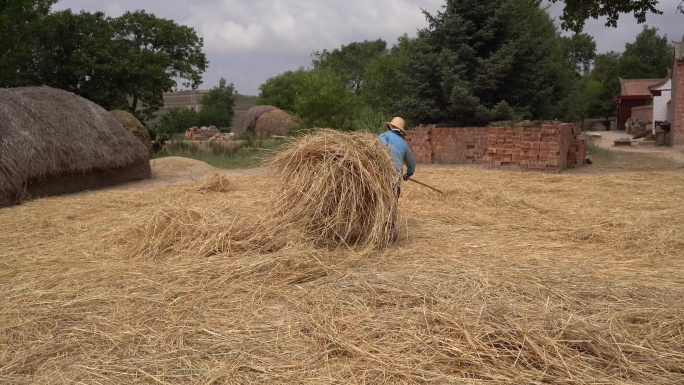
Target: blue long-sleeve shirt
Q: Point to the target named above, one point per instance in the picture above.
(400, 150)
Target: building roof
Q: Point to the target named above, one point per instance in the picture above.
(633, 87)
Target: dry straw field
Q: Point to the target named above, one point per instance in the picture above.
(511, 278)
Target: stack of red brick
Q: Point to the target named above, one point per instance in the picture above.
(527, 146)
(543, 147)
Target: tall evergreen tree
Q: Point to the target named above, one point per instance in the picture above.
(476, 54)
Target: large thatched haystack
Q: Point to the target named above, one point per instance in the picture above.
(249, 119)
(274, 122)
(133, 125)
(53, 142)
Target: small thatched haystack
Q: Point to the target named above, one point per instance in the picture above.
(274, 122)
(133, 125)
(249, 119)
(338, 187)
(53, 142)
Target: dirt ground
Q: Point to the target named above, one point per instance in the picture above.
(640, 156)
(607, 140)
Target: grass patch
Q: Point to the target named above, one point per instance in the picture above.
(252, 153)
(599, 153)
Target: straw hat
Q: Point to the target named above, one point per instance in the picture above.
(397, 124)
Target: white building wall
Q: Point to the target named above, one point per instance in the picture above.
(660, 102)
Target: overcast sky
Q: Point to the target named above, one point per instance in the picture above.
(249, 41)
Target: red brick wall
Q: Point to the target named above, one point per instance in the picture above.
(548, 147)
(420, 141)
(677, 123)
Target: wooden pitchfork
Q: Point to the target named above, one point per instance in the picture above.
(426, 185)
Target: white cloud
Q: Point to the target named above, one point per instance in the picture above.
(303, 25)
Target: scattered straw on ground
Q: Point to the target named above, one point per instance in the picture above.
(512, 278)
(216, 182)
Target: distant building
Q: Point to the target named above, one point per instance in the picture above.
(653, 100)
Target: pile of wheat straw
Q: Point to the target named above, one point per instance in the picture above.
(338, 187)
(187, 228)
(333, 189)
(511, 278)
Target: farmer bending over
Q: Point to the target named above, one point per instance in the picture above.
(401, 153)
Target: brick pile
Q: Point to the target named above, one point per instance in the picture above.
(528, 147)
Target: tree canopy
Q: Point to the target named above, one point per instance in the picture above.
(475, 62)
(475, 55)
(157, 55)
(350, 61)
(382, 88)
(648, 57)
(580, 51)
(126, 62)
(18, 21)
(319, 97)
(576, 12)
(218, 106)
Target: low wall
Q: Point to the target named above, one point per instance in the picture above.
(525, 146)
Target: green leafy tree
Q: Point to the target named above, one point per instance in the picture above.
(155, 55)
(648, 57)
(19, 22)
(75, 52)
(177, 120)
(580, 51)
(122, 63)
(382, 88)
(606, 71)
(594, 97)
(318, 97)
(476, 54)
(218, 106)
(281, 90)
(350, 61)
(325, 100)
